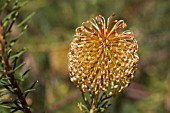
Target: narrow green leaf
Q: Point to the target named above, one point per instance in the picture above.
(102, 95)
(21, 4)
(4, 106)
(9, 52)
(4, 82)
(18, 54)
(25, 73)
(30, 89)
(5, 93)
(25, 20)
(14, 39)
(5, 21)
(9, 89)
(83, 108)
(17, 103)
(15, 110)
(104, 99)
(86, 101)
(6, 102)
(14, 62)
(19, 66)
(1, 75)
(9, 20)
(5, 5)
(105, 104)
(12, 23)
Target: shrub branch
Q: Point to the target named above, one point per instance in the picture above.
(8, 71)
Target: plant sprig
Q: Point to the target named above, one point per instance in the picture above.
(10, 81)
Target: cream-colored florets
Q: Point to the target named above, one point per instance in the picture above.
(101, 57)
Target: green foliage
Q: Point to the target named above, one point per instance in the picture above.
(12, 96)
(103, 102)
(52, 28)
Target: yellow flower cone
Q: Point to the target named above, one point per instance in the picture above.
(101, 57)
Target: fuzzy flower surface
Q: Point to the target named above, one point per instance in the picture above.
(102, 56)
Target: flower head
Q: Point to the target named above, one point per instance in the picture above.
(102, 57)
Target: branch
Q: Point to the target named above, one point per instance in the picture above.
(9, 72)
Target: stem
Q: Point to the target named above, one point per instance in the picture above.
(94, 103)
(9, 72)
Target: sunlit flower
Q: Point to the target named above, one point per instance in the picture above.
(102, 57)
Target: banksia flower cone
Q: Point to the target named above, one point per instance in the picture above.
(101, 57)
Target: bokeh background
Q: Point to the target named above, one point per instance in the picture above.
(51, 30)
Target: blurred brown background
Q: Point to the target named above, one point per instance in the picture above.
(52, 29)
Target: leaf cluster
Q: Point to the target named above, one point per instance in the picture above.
(12, 75)
(103, 102)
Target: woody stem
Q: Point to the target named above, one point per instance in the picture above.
(94, 103)
(9, 72)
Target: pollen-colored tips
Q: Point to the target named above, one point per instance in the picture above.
(101, 58)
